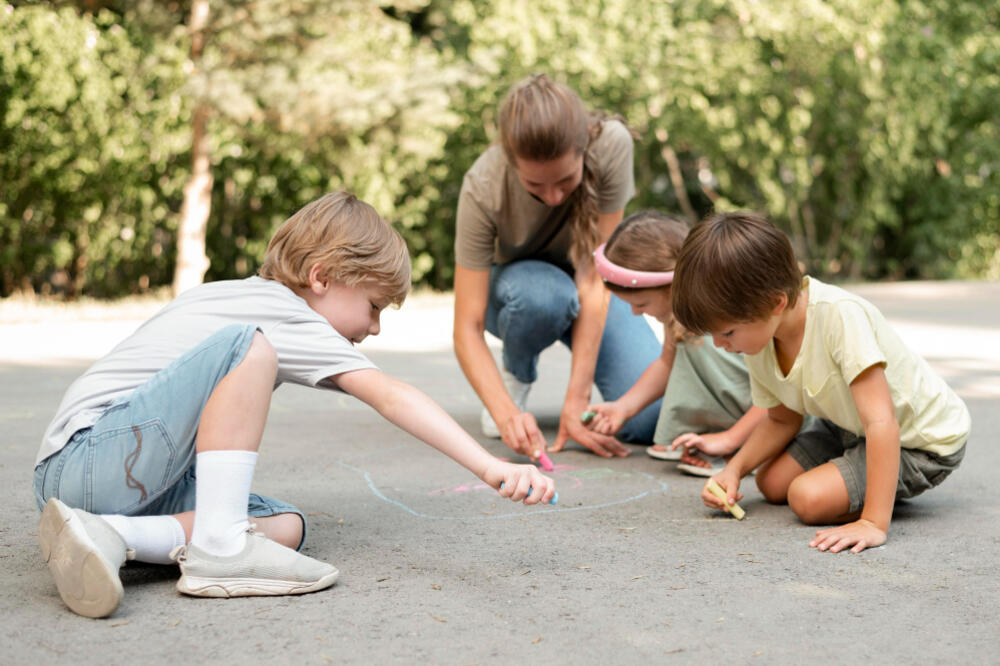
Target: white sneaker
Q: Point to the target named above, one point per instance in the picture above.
(84, 554)
(264, 568)
(518, 392)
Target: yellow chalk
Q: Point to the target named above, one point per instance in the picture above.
(733, 508)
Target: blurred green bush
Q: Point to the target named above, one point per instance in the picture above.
(865, 129)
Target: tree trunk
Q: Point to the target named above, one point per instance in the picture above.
(677, 180)
(192, 262)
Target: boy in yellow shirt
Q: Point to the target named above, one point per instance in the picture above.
(888, 427)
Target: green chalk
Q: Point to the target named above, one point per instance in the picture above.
(587, 416)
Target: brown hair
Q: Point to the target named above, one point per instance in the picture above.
(348, 238)
(647, 241)
(732, 268)
(542, 120)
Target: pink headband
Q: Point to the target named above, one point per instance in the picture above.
(624, 277)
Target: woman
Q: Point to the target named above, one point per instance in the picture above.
(531, 212)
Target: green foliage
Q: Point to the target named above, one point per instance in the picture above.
(866, 129)
(88, 142)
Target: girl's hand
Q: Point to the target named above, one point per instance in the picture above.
(517, 480)
(609, 417)
(714, 444)
(570, 427)
(729, 480)
(861, 534)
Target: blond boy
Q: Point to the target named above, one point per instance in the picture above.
(155, 445)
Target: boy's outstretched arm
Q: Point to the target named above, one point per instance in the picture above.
(414, 412)
(767, 440)
(873, 400)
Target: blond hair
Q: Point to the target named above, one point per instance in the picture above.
(733, 268)
(648, 241)
(348, 239)
(541, 120)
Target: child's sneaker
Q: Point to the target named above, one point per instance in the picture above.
(518, 391)
(84, 554)
(263, 568)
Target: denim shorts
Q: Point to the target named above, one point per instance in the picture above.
(823, 441)
(138, 459)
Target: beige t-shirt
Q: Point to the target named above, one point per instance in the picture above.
(498, 221)
(844, 336)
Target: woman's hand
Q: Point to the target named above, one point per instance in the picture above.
(571, 427)
(521, 434)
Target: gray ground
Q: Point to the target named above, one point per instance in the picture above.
(628, 567)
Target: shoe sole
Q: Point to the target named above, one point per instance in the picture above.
(666, 455)
(694, 470)
(197, 586)
(86, 581)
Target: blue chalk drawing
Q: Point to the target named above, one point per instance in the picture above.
(662, 486)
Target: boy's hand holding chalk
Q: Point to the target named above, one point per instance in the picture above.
(733, 508)
(555, 496)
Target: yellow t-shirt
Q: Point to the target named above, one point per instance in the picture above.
(844, 336)
(499, 221)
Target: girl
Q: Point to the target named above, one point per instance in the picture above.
(706, 402)
(531, 211)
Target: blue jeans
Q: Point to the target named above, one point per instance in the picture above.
(532, 304)
(139, 458)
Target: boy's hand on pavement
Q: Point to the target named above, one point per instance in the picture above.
(517, 480)
(861, 534)
(729, 481)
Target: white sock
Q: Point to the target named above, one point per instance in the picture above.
(151, 537)
(222, 488)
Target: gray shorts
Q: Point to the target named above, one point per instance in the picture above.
(139, 458)
(822, 441)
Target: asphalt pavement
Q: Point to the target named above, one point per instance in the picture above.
(628, 567)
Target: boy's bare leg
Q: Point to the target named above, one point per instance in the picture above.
(820, 497)
(236, 411)
(775, 476)
(285, 528)
(229, 434)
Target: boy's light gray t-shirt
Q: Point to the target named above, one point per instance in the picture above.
(309, 349)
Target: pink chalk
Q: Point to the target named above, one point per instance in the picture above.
(545, 461)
